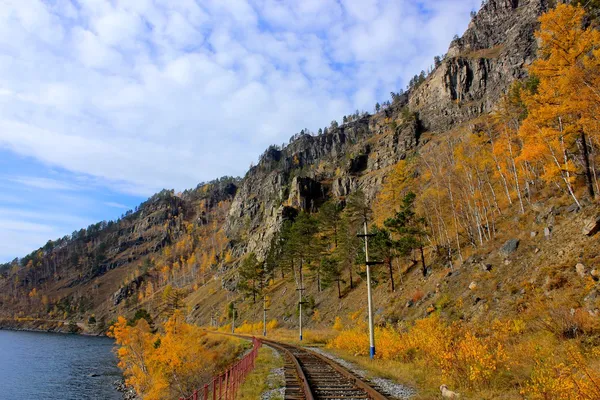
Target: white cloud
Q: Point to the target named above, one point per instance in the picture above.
(142, 95)
(43, 183)
(116, 205)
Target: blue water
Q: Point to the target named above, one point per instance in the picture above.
(53, 366)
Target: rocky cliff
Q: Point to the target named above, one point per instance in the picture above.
(103, 266)
(478, 68)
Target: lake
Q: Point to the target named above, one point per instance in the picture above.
(56, 366)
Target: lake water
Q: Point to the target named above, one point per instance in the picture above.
(53, 366)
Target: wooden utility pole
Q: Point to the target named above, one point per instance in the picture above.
(368, 264)
(300, 302)
(233, 312)
(265, 309)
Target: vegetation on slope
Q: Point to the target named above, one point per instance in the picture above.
(171, 364)
(470, 187)
(506, 324)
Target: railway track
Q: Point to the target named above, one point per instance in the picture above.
(311, 376)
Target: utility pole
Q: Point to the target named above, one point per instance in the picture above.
(265, 309)
(300, 302)
(368, 264)
(233, 312)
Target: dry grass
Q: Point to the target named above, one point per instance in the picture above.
(493, 52)
(259, 381)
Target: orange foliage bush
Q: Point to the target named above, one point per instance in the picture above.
(173, 364)
(459, 356)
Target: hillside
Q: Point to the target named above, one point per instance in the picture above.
(500, 228)
(96, 269)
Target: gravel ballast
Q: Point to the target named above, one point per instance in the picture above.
(395, 390)
(275, 382)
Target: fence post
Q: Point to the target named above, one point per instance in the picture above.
(221, 387)
(195, 395)
(214, 389)
(205, 397)
(227, 379)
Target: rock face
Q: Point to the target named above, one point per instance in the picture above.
(478, 69)
(481, 65)
(312, 169)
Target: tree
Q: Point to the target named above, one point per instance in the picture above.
(329, 218)
(392, 191)
(348, 245)
(381, 245)
(377, 107)
(172, 364)
(437, 61)
(356, 214)
(173, 299)
(253, 276)
(331, 273)
(409, 229)
(557, 116)
(302, 243)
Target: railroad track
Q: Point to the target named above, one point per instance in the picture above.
(311, 376)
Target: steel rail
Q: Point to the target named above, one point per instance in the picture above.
(303, 382)
(371, 392)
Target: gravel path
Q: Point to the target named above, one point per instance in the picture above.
(275, 382)
(392, 388)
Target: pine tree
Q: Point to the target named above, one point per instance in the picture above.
(409, 230)
(253, 276)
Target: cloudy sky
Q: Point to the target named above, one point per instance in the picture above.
(104, 102)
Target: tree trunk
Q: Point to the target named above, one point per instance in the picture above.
(586, 162)
(389, 262)
(423, 265)
(319, 280)
(351, 280)
(339, 288)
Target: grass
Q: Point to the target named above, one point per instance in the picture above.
(260, 379)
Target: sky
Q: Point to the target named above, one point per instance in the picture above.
(105, 102)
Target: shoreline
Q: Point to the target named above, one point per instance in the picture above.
(44, 326)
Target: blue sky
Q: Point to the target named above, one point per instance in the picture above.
(104, 102)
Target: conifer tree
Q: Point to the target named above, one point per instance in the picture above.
(409, 229)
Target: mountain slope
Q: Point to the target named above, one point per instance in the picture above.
(114, 268)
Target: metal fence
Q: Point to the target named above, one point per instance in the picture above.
(226, 385)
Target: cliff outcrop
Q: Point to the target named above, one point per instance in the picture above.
(477, 70)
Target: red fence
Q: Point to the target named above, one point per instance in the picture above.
(226, 385)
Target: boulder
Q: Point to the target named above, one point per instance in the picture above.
(580, 268)
(573, 208)
(473, 285)
(592, 226)
(510, 246)
(547, 232)
(486, 267)
(595, 274)
(533, 234)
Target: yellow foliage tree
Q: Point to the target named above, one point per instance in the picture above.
(557, 111)
(173, 364)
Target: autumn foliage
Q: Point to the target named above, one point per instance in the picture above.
(482, 358)
(171, 364)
